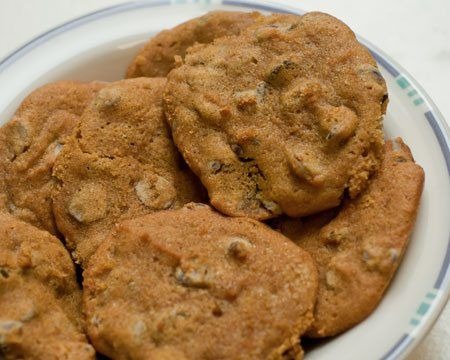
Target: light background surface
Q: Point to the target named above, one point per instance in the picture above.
(416, 33)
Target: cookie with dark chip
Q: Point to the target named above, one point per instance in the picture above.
(29, 144)
(40, 300)
(194, 284)
(282, 118)
(119, 163)
(358, 251)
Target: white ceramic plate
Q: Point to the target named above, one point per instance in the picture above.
(99, 46)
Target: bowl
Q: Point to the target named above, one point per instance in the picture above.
(98, 46)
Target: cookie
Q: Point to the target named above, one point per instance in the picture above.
(40, 300)
(358, 252)
(29, 144)
(157, 57)
(281, 118)
(193, 284)
(119, 163)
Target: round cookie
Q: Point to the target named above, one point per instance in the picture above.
(119, 163)
(193, 284)
(157, 57)
(281, 118)
(40, 300)
(29, 144)
(358, 252)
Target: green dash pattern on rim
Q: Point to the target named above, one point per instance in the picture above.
(405, 85)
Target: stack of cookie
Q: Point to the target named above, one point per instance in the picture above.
(232, 195)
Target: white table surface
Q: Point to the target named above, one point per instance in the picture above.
(416, 33)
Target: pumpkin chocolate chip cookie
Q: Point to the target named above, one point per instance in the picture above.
(281, 118)
(194, 284)
(119, 163)
(358, 252)
(29, 144)
(158, 56)
(40, 301)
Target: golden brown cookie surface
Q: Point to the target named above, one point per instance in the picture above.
(358, 252)
(120, 163)
(157, 57)
(193, 284)
(40, 301)
(29, 144)
(281, 118)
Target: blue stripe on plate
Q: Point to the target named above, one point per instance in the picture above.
(261, 7)
(384, 63)
(444, 269)
(33, 43)
(446, 153)
(440, 136)
(399, 346)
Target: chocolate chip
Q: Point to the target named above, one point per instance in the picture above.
(372, 72)
(18, 138)
(215, 166)
(89, 203)
(337, 123)
(239, 249)
(394, 254)
(400, 159)
(237, 149)
(278, 73)
(269, 204)
(197, 278)
(4, 273)
(261, 89)
(377, 75)
(9, 326)
(155, 192)
(286, 64)
(217, 311)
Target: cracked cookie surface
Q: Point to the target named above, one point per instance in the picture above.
(358, 251)
(119, 163)
(40, 300)
(157, 57)
(194, 284)
(281, 118)
(29, 144)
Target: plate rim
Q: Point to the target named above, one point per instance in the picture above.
(441, 129)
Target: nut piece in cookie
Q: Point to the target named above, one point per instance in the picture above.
(282, 118)
(40, 301)
(194, 284)
(29, 144)
(358, 252)
(119, 163)
(158, 56)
